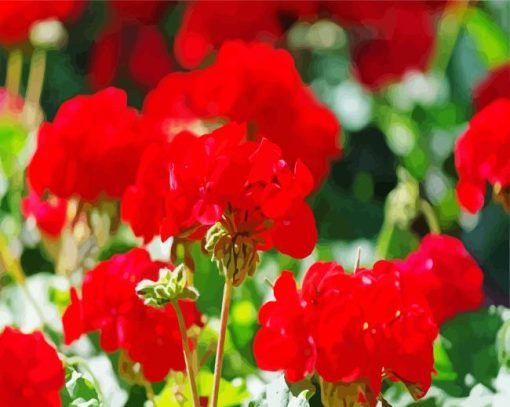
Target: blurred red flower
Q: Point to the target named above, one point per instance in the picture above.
(495, 86)
(49, 214)
(132, 39)
(109, 304)
(349, 328)
(91, 150)
(194, 182)
(448, 277)
(481, 156)
(31, 373)
(17, 17)
(256, 84)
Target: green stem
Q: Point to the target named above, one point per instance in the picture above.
(78, 361)
(187, 354)
(34, 87)
(225, 307)
(430, 216)
(149, 392)
(448, 33)
(12, 266)
(13, 79)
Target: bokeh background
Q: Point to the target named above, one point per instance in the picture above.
(398, 139)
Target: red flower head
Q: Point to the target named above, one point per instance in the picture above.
(350, 328)
(256, 84)
(195, 182)
(109, 304)
(91, 150)
(481, 155)
(399, 38)
(17, 17)
(447, 275)
(495, 86)
(50, 214)
(31, 374)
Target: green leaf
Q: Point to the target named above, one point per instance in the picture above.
(13, 137)
(78, 390)
(176, 392)
(491, 41)
(278, 394)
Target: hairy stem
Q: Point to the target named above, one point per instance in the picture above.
(187, 354)
(225, 307)
(13, 79)
(430, 216)
(34, 87)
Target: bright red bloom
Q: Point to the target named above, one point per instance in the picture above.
(481, 155)
(495, 86)
(348, 328)
(256, 84)
(91, 150)
(31, 374)
(448, 277)
(190, 184)
(50, 214)
(109, 304)
(17, 17)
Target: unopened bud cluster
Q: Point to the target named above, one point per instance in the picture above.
(170, 286)
(236, 256)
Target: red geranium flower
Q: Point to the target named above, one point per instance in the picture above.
(91, 150)
(495, 86)
(447, 275)
(399, 37)
(50, 214)
(194, 182)
(17, 17)
(131, 39)
(31, 374)
(349, 328)
(109, 304)
(206, 25)
(256, 84)
(481, 156)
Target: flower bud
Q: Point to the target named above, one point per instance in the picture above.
(170, 286)
(236, 257)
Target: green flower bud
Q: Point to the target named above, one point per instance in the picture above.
(170, 286)
(236, 257)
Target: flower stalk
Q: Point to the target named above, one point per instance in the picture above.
(187, 354)
(225, 308)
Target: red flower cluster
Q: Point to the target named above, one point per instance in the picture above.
(350, 328)
(50, 214)
(362, 327)
(31, 374)
(17, 17)
(481, 155)
(109, 304)
(448, 277)
(207, 25)
(256, 84)
(495, 86)
(131, 38)
(388, 38)
(194, 182)
(91, 150)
